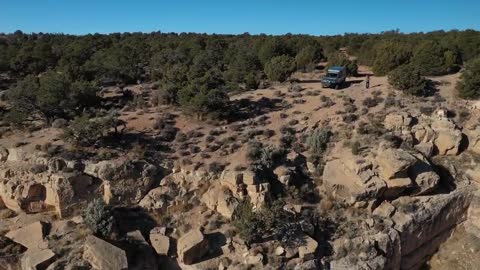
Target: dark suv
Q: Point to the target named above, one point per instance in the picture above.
(335, 77)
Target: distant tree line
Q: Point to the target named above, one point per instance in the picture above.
(59, 75)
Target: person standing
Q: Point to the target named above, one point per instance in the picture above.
(367, 84)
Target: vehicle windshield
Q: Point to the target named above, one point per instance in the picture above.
(331, 75)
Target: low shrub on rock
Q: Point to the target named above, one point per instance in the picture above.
(317, 140)
(262, 157)
(99, 218)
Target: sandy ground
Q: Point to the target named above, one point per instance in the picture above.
(306, 115)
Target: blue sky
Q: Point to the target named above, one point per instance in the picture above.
(318, 17)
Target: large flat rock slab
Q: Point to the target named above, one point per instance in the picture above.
(103, 255)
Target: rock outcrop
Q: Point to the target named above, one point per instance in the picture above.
(23, 191)
(34, 259)
(307, 250)
(404, 233)
(192, 246)
(425, 222)
(474, 139)
(352, 179)
(125, 179)
(390, 173)
(440, 131)
(30, 236)
(160, 242)
(398, 121)
(247, 183)
(103, 255)
(448, 138)
(220, 199)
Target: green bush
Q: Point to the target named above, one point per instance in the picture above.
(408, 79)
(99, 218)
(269, 221)
(390, 55)
(318, 139)
(272, 48)
(430, 58)
(251, 81)
(280, 68)
(85, 131)
(83, 94)
(249, 224)
(306, 58)
(469, 85)
(262, 157)
(340, 59)
(52, 95)
(204, 96)
(167, 94)
(16, 117)
(243, 65)
(356, 148)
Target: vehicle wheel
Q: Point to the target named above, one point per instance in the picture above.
(337, 86)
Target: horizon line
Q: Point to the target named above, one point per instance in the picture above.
(397, 30)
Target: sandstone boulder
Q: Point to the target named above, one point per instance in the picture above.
(398, 121)
(423, 133)
(17, 154)
(103, 255)
(474, 175)
(448, 142)
(30, 236)
(388, 175)
(60, 191)
(259, 194)
(426, 148)
(426, 219)
(474, 139)
(311, 167)
(396, 186)
(424, 178)
(34, 259)
(60, 228)
(279, 251)
(284, 175)
(231, 179)
(234, 180)
(307, 250)
(156, 198)
(220, 199)
(403, 170)
(160, 242)
(442, 132)
(25, 192)
(394, 163)
(385, 209)
(256, 259)
(105, 170)
(352, 179)
(192, 246)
